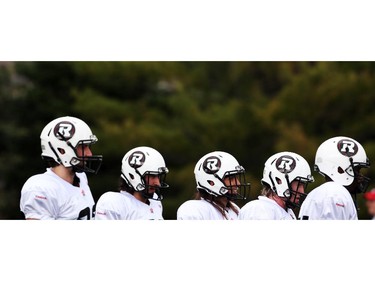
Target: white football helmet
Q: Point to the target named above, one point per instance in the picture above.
(280, 170)
(211, 170)
(60, 140)
(142, 161)
(337, 158)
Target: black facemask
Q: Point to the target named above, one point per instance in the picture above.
(157, 194)
(360, 182)
(238, 188)
(90, 164)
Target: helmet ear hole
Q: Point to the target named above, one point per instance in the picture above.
(61, 150)
(131, 176)
(340, 170)
(210, 182)
(278, 180)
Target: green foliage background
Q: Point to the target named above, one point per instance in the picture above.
(184, 110)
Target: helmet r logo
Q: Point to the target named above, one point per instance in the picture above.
(285, 164)
(64, 130)
(136, 159)
(347, 147)
(211, 165)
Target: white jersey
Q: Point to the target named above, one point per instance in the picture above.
(265, 208)
(47, 196)
(204, 210)
(124, 206)
(329, 201)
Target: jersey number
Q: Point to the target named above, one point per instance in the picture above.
(85, 213)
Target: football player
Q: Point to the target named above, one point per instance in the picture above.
(339, 160)
(62, 192)
(220, 180)
(285, 178)
(143, 174)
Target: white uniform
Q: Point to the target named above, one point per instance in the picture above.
(329, 201)
(124, 206)
(265, 208)
(204, 210)
(47, 196)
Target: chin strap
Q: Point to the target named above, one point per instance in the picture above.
(355, 202)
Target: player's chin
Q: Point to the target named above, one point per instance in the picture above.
(151, 190)
(295, 200)
(233, 192)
